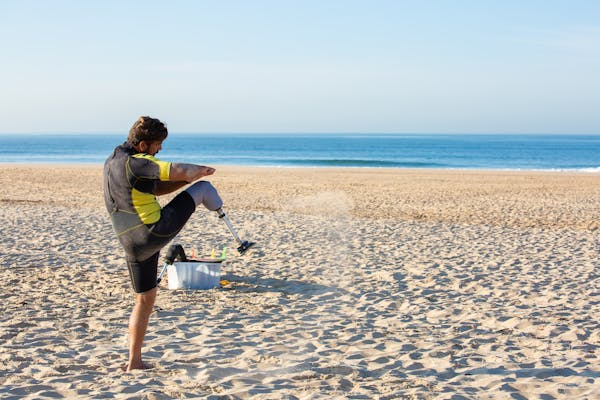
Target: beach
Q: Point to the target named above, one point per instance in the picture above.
(363, 284)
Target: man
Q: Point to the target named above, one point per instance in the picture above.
(133, 178)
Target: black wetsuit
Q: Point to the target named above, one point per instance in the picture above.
(142, 226)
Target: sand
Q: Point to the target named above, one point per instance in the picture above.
(364, 284)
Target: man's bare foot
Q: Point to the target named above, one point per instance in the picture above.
(130, 367)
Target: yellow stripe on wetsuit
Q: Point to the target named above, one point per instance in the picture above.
(146, 204)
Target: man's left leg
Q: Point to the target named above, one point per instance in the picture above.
(175, 215)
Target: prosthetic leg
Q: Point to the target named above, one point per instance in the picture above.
(243, 244)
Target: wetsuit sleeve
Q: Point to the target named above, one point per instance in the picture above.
(145, 166)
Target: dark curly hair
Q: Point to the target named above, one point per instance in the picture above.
(148, 129)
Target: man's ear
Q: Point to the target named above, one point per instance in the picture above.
(143, 146)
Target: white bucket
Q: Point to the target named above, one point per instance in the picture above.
(193, 275)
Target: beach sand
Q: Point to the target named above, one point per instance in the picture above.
(364, 284)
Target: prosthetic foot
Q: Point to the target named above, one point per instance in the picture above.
(243, 244)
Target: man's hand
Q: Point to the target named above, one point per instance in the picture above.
(207, 170)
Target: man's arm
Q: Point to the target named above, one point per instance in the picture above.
(180, 175)
(189, 172)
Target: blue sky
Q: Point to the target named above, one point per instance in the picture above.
(301, 66)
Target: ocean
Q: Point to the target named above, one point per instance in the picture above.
(493, 152)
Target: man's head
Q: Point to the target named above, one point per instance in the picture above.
(147, 134)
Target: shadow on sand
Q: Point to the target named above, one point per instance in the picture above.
(285, 286)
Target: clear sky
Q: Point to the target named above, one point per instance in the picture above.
(301, 66)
